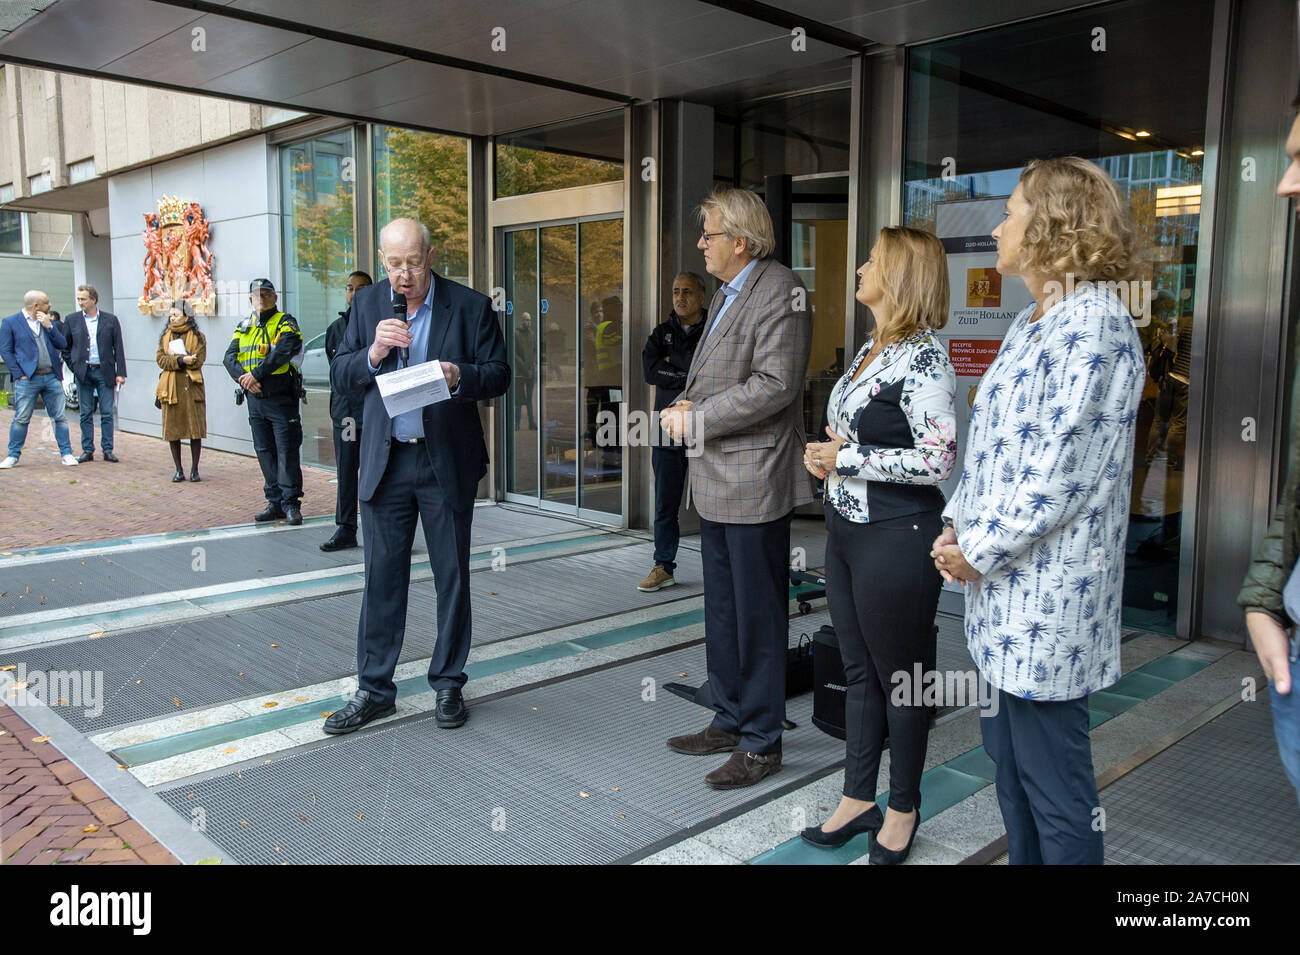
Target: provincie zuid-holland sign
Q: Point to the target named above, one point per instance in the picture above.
(177, 260)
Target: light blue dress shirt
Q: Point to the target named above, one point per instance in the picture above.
(411, 424)
(731, 290)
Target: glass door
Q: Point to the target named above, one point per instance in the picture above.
(564, 334)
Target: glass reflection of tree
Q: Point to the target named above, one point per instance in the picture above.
(424, 176)
(520, 170)
(322, 226)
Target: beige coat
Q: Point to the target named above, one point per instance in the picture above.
(747, 383)
(188, 417)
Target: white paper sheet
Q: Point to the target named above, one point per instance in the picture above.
(413, 387)
(177, 347)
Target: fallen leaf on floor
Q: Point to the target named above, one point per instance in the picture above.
(19, 686)
(63, 702)
(91, 829)
(583, 795)
(274, 645)
(191, 795)
(239, 775)
(681, 675)
(615, 789)
(269, 705)
(10, 666)
(241, 674)
(175, 700)
(121, 768)
(230, 749)
(326, 716)
(137, 682)
(40, 739)
(301, 699)
(243, 822)
(302, 817)
(360, 815)
(621, 816)
(277, 848)
(96, 635)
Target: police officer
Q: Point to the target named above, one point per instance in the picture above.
(258, 359)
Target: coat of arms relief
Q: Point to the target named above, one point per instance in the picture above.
(177, 260)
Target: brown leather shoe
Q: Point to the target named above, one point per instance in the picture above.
(744, 769)
(707, 740)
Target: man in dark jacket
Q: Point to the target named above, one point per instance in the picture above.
(98, 361)
(1271, 593)
(345, 413)
(666, 359)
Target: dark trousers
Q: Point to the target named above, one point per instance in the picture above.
(669, 466)
(409, 491)
(96, 385)
(747, 628)
(1046, 788)
(347, 457)
(524, 399)
(883, 591)
(277, 439)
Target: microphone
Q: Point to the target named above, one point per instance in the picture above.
(399, 311)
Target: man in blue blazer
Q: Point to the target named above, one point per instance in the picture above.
(423, 464)
(98, 361)
(30, 343)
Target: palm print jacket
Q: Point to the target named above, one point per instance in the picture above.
(901, 430)
(1041, 510)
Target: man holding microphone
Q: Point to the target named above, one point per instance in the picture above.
(421, 465)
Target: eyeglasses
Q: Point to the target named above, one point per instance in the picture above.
(412, 271)
(706, 236)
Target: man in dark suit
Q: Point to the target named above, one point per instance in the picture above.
(30, 344)
(744, 401)
(98, 361)
(345, 413)
(423, 464)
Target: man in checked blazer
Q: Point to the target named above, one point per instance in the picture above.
(743, 400)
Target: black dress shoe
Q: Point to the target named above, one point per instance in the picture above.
(340, 541)
(272, 513)
(450, 711)
(292, 516)
(869, 821)
(110, 456)
(86, 456)
(194, 475)
(359, 711)
(881, 855)
(178, 477)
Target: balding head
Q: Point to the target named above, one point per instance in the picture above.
(404, 232)
(404, 250)
(35, 298)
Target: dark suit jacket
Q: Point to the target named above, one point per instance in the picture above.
(112, 354)
(343, 404)
(19, 351)
(462, 329)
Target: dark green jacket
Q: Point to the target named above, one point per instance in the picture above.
(1276, 555)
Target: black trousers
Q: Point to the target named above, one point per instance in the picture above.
(277, 438)
(669, 466)
(1046, 789)
(747, 627)
(883, 591)
(347, 457)
(409, 492)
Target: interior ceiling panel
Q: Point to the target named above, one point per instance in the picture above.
(229, 45)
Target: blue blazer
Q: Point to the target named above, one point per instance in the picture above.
(462, 329)
(19, 351)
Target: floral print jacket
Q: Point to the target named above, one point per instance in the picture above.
(901, 430)
(1042, 507)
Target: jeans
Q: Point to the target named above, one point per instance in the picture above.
(95, 384)
(1286, 721)
(26, 391)
(669, 465)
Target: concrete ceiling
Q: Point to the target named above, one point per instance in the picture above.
(477, 68)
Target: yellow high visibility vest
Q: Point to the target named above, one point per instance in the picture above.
(256, 340)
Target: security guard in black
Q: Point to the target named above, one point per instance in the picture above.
(258, 359)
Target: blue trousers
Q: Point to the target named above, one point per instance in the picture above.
(96, 384)
(670, 479)
(26, 391)
(1286, 720)
(1046, 788)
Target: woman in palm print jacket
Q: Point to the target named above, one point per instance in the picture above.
(1041, 513)
(892, 442)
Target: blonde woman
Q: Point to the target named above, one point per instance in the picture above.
(1040, 517)
(892, 442)
(180, 392)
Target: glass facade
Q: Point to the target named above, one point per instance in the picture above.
(582, 153)
(11, 232)
(971, 124)
(424, 176)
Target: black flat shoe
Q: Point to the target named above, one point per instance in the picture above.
(292, 516)
(272, 513)
(450, 710)
(194, 475)
(86, 456)
(340, 541)
(868, 821)
(882, 856)
(178, 477)
(359, 711)
(110, 457)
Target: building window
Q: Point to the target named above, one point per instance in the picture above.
(583, 153)
(425, 176)
(11, 232)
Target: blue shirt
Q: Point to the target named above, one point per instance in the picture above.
(731, 290)
(411, 424)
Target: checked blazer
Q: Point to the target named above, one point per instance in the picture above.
(746, 384)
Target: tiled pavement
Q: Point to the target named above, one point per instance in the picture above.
(50, 813)
(42, 502)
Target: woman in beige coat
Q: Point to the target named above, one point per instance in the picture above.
(181, 351)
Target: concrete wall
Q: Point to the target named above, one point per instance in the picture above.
(235, 184)
(18, 273)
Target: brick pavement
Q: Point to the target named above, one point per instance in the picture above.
(42, 502)
(51, 814)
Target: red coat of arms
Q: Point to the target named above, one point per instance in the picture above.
(177, 260)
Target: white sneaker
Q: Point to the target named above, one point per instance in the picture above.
(69, 461)
(9, 462)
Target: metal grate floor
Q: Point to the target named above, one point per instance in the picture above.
(572, 772)
(1216, 797)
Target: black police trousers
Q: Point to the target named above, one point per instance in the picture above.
(277, 438)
